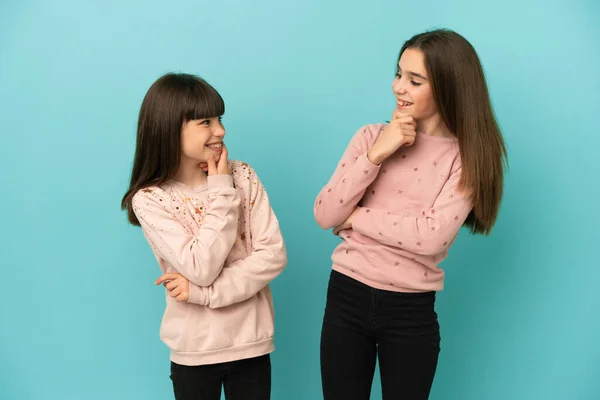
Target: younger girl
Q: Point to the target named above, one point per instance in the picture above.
(397, 199)
(216, 240)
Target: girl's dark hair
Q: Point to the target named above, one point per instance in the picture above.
(461, 94)
(170, 102)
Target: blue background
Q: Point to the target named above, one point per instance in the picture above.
(80, 314)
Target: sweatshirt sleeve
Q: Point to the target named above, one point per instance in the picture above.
(243, 278)
(429, 233)
(200, 257)
(352, 177)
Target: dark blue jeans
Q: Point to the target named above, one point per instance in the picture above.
(248, 379)
(362, 324)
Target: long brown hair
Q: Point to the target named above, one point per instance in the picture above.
(172, 100)
(461, 94)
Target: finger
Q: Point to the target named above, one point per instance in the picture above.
(400, 115)
(171, 285)
(203, 166)
(408, 120)
(408, 130)
(396, 115)
(183, 297)
(403, 123)
(160, 280)
(407, 126)
(212, 166)
(410, 141)
(224, 152)
(167, 277)
(223, 159)
(176, 292)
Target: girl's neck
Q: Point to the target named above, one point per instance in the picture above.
(190, 174)
(434, 126)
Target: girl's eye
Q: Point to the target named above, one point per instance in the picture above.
(399, 76)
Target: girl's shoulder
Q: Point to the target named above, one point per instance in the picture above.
(366, 135)
(239, 167)
(245, 178)
(151, 194)
(242, 173)
(371, 131)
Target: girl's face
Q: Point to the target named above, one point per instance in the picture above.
(202, 139)
(412, 87)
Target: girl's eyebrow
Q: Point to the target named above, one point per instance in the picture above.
(414, 74)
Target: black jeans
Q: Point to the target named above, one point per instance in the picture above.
(248, 379)
(362, 323)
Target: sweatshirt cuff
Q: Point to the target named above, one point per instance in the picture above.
(364, 162)
(198, 295)
(216, 181)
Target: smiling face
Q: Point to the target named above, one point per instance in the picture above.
(202, 139)
(412, 87)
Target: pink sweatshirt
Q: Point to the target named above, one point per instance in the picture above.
(225, 239)
(411, 212)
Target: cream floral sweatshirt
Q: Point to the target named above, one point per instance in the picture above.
(225, 239)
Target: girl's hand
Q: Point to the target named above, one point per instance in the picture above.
(347, 224)
(400, 131)
(177, 285)
(221, 167)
